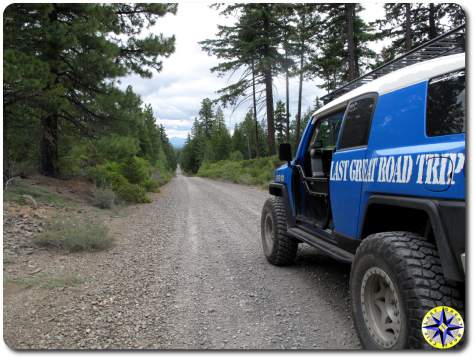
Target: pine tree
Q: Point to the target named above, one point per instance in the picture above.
(280, 122)
(243, 138)
(306, 29)
(220, 141)
(409, 25)
(235, 46)
(286, 18)
(77, 58)
(253, 43)
(206, 117)
(344, 53)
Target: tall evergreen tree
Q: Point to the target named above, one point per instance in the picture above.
(252, 42)
(409, 25)
(287, 18)
(243, 138)
(280, 122)
(206, 117)
(79, 49)
(220, 141)
(306, 29)
(344, 51)
(235, 48)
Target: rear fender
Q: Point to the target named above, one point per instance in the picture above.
(451, 265)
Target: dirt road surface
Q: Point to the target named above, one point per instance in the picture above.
(187, 272)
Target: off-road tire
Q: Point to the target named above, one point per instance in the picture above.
(279, 249)
(413, 265)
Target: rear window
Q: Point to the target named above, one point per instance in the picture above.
(357, 123)
(446, 104)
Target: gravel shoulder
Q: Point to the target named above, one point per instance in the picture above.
(186, 272)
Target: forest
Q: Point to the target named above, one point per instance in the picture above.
(64, 113)
(66, 116)
(328, 42)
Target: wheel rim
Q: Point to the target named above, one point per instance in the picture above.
(381, 307)
(269, 232)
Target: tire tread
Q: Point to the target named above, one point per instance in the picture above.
(284, 248)
(416, 262)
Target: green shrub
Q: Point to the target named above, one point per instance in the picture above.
(116, 148)
(152, 185)
(112, 175)
(130, 192)
(236, 156)
(257, 171)
(104, 175)
(137, 170)
(128, 176)
(74, 235)
(104, 198)
(86, 154)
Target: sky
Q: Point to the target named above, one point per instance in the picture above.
(176, 92)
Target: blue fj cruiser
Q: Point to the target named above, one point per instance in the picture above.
(378, 181)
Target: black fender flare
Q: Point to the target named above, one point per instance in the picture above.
(450, 263)
(280, 190)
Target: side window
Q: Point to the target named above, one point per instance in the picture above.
(326, 133)
(446, 104)
(357, 123)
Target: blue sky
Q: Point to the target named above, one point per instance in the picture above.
(176, 92)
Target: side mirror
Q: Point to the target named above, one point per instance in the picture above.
(285, 152)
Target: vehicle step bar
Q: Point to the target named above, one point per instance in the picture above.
(321, 243)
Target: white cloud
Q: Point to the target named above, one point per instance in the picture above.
(176, 123)
(176, 92)
(176, 133)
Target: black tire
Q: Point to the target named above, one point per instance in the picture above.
(412, 264)
(279, 249)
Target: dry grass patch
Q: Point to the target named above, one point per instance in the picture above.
(46, 281)
(74, 235)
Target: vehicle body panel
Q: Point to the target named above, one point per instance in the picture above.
(400, 165)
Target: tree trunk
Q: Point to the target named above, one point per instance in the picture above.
(267, 71)
(407, 26)
(287, 111)
(49, 146)
(49, 124)
(254, 105)
(299, 105)
(350, 33)
(432, 26)
(270, 111)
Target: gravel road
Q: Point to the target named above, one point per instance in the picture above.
(187, 272)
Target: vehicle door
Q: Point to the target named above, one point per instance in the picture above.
(315, 170)
(349, 167)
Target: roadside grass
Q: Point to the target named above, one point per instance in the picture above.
(75, 235)
(7, 259)
(103, 198)
(253, 172)
(46, 281)
(19, 187)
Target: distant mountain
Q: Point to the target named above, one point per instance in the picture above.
(177, 142)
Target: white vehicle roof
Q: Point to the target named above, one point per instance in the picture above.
(401, 78)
